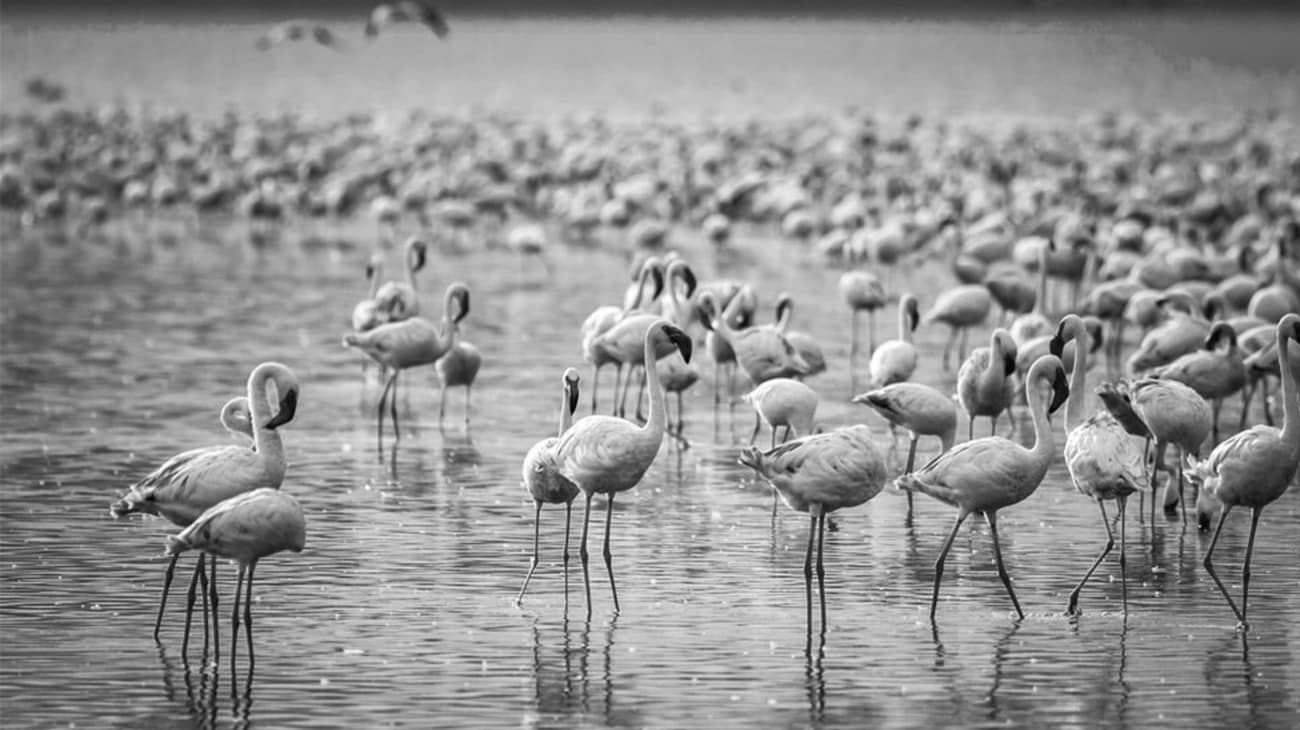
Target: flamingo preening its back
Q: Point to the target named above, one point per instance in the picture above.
(988, 474)
(1252, 468)
(190, 483)
(607, 455)
(545, 483)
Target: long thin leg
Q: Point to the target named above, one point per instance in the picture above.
(234, 618)
(947, 347)
(1215, 406)
(190, 596)
(216, 618)
(970, 428)
(537, 531)
(992, 519)
(1245, 568)
(442, 403)
(758, 426)
(938, 564)
(717, 385)
(961, 346)
(1123, 561)
(248, 613)
(582, 553)
(207, 611)
(871, 332)
(392, 408)
(1073, 607)
(167, 585)
(911, 461)
(468, 392)
(609, 557)
(807, 568)
(821, 568)
(383, 395)
(1209, 567)
(568, 512)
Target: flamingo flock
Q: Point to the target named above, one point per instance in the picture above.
(1208, 276)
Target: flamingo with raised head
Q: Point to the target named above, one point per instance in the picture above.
(458, 367)
(988, 474)
(895, 360)
(603, 318)
(545, 483)
(607, 455)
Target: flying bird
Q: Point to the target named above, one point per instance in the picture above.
(407, 11)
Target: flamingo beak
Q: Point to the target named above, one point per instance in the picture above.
(1060, 391)
(688, 276)
(1009, 363)
(1056, 345)
(464, 305)
(681, 340)
(288, 407)
(571, 387)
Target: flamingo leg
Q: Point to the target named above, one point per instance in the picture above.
(1209, 567)
(248, 614)
(758, 425)
(871, 331)
(203, 587)
(537, 530)
(442, 403)
(1123, 560)
(1215, 406)
(162, 604)
(947, 348)
(943, 555)
(961, 346)
(234, 618)
(1245, 568)
(991, 518)
(383, 396)
(468, 390)
(821, 568)
(853, 343)
(582, 554)
(609, 557)
(392, 409)
(911, 461)
(568, 513)
(807, 568)
(717, 385)
(681, 417)
(190, 596)
(216, 618)
(1073, 608)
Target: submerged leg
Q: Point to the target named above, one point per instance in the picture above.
(582, 554)
(821, 568)
(1073, 607)
(190, 596)
(234, 619)
(167, 586)
(568, 513)
(1245, 568)
(537, 531)
(248, 613)
(943, 555)
(911, 462)
(808, 570)
(992, 519)
(1123, 562)
(609, 557)
(1209, 566)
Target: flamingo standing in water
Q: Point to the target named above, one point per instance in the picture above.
(782, 402)
(895, 360)
(245, 528)
(988, 474)
(191, 482)
(409, 343)
(1253, 468)
(607, 455)
(762, 351)
(603, 318)
(398, 300)
(1105, 461)
(984, 383)
(819, 474)
(1212, 374)
(921, 410)
(459, 366)
(545, 483)
(960, 308)
(1172, 414)
(862, 290)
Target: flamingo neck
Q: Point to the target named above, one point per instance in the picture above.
(1043, 442)
(266, 441)
(566, 415)
(376, 275)
(410, 274)
(654, 425)
(904, 332)
(1074, 408)
(1290, 397)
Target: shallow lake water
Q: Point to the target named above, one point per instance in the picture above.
(118, 351)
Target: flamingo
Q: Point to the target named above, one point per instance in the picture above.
(763, 352)
(676, 377)
(542, 479)
(861, 290)
(409, 343)
(237, 417)
(802, 342)
(960, 308)
(459, 366)
(366, 314)
(191, 482)
(782, 402)
(608, 455)
(895, 360)
(1184, 332)
(721, 351)
(398, 300)
(921, 410)
(1035, 322)
(984, 383)
(988, 474)
(1212, 374)
(819, 474)
(245, 528)
(1104, 460)
(1254, 467)
(603, 318)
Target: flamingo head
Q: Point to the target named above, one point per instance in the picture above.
(571, 388)
(679, 339)
(459, 293)
(1060, 388)
(288, 407)
(913, 310)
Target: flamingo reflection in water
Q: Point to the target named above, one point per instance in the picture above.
(545, 483)
(819, 474)
(188, 484)
(245, 528)
(987, 474)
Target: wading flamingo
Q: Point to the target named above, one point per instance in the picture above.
(762, 351)
(1212, 373)
(1173, 414)
(802, 342)
(608, 455)
(895, 360)
(1105, 461)
(189, 483)
(545, 484)
(398, 300)
(782, 402)
(961, 308)
(988, 474)
(861, 290)
(406, 344)
(984, 383)
(920, 409)
(245, 528)
(819, 474)
(603, 318)
(456, 368)
(1253, 468)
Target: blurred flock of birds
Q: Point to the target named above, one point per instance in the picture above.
(1058, 241)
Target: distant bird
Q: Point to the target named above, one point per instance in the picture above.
(245, 528)
(802, 342)
(676, 376)
(366, 314)
(398, 300)
(1173, 414)
(608, 455)
(988, 474)
(960, 308)
(545, 484)
(895, 360)
(1253, 468)
(761, 351)
(406, 11)
(603, 318)
(191, 482)
(1214, 375)
(298, 30)
(409, 343)
(861, 290)
(459, 366)
(921, 410)
(1183, 332)
(819, 474)
(1104, 460)
(984, 383)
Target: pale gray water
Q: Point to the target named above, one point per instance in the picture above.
(118, 354)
